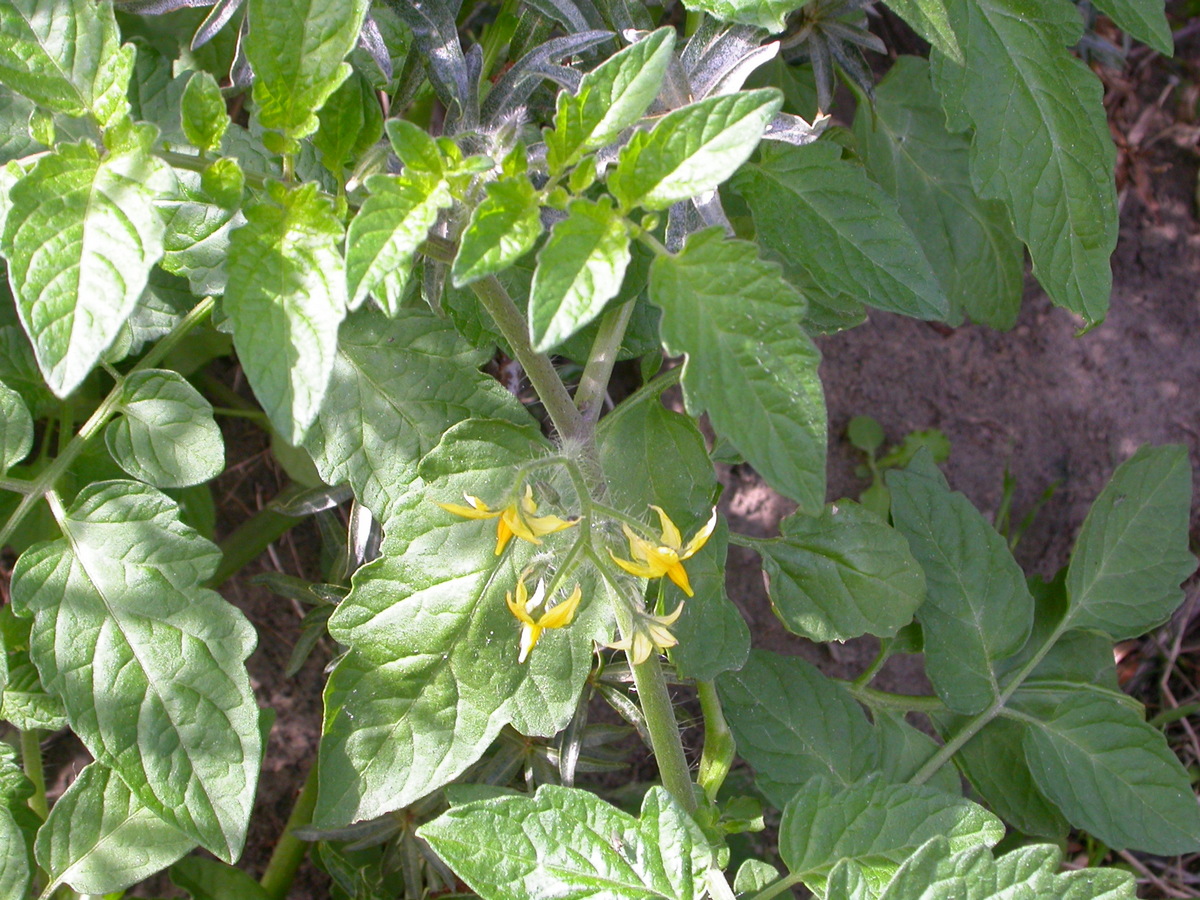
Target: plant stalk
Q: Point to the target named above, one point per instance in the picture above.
(63, 462)
(31, 762)
(248, 540)
(290, 851)
(553, 393)
(665, 742)
(593, 384)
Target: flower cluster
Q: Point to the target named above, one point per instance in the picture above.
(518, 518)
(654, 560)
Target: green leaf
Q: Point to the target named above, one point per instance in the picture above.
(15, 139)
(433, 675)
(16, 428)
(196, 240)
(1132, 552)
(202, 112)
(1113, 775)
(296, 48)
(579, 269)
(792, 723)
(977, 610)
(100, 838)
(513, 848)
(937, 872)
(903, 750)
(80, 239)
(827, 218)
(165, 435)
(204, 879)
(994, 762)
(383, 238)
(842, 574)
(1145, 20)
(768, 14)
(66, 55)
(691, 150)
(397, 386)
(351, 123)
(285, 298)
(610, 98)
(969, 242)
(931, 20)
(503, 228)
(750, 365)
(1042, 144)
(878, 825)
(25, 702)
(150, 666)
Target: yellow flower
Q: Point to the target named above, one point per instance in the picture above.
(558, 616)
(649, 633)
(519, 518)
(652, 560)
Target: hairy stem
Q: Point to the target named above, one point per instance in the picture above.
(31, 761)
(664, 731)
(290, 851)
(550, 389)
(63, 462)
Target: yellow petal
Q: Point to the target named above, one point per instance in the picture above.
(518, 525)
(702, 536)
(670, 534)
(477, 510)
(677, 574)
(639, 547)
(529, 638)
(641, 570)
(670, 618)
(528, 507)
(562, 614)
(548, 524)
(504, 533)
(517, 608)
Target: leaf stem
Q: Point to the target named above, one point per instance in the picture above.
(976, 724)
(31, 762)
(593, 384)
(249, 540)
(198, 164)
(553, 393)
(63, 462)
(776, 888)
(290, 851)
(877, 699)
(719, 746)
(16, 485)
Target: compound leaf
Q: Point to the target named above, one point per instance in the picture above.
(579, 269)
(978, 609)
(383, 238)
(296, 48)
(1113, 775)
(397, 386)
(750, 365)
(285, 298)
(792, 723)
(826, 217)
(150, 666)
(1042, 144)
(878, 825)
(100, 838)
(969, 242)
(66, 56)
(691, 150)
(80, 238)
(511, 847)
(842, 574)
(1132, 552)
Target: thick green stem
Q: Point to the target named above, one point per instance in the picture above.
(877, 699)
(719, 745)
(976, 724)
(290, 851)
(776, 888)
(250, 539)
(550, 389)
(99, 418)
(16, 485)
(593, 384)
(31, 761)
(664, 731)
